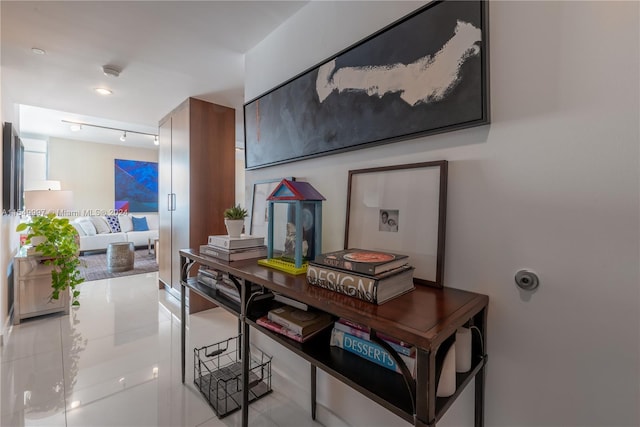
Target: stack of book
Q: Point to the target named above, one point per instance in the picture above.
(228, 289)
(294, 323)
(355, 338)
(225, 287)
(362, 331)
(208, 276)
(372, 276)
(228, 248)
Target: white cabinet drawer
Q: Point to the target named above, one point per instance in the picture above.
(35, 297)
(32, 289)
(34, 266)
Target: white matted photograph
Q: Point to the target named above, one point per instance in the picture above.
(401, 209)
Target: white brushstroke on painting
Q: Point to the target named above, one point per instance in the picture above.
(424, 81)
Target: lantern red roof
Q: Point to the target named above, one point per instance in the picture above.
(295, 190)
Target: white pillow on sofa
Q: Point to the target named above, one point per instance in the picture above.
(78, 228)
(87, 226)
(101, 225)
(126, 225)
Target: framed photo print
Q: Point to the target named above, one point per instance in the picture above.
(259, 220)
(401, 209)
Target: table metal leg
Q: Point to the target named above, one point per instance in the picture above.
(246, 356)
(240, 348)
(479, 398)
(481, 324)
(313, 392)
(183, 328)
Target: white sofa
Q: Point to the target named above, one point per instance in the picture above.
(96, 233)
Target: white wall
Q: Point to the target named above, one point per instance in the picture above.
(86, 168)
(9, 243)
(240, 182)
(552, 185)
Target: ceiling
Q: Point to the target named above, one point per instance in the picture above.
(166, 51)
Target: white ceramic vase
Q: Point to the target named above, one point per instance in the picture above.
(234, 227)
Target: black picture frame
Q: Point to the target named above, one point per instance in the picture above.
(12, 170)
(415, 196)
(382, 89)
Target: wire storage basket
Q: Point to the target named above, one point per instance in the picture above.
(217, 372)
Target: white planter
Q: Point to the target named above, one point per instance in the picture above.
(234, 227)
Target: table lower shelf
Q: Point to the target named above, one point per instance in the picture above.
(385, 387)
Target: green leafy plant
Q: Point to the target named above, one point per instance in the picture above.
(235, 212)
(60, 249)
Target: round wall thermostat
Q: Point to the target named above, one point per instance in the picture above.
(527, 280)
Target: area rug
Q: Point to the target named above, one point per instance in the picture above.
(94, 266)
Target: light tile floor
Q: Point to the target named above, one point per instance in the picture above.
(115, 361)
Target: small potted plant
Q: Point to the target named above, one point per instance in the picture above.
(56, 240)
(234, 220)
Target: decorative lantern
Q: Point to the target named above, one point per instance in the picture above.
(295, 226)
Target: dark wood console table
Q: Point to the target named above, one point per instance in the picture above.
(426, 318)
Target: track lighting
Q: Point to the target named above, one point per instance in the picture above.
(76, 126)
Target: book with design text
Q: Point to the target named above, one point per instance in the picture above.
(375, 289)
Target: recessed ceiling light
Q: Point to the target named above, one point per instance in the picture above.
(38, 51)
(75, 127)
(103, 91)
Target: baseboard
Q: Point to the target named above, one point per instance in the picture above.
(5, 333)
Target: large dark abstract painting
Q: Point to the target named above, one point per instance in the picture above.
(136, 185)
(425, 74)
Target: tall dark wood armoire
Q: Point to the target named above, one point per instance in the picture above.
(196, 163)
